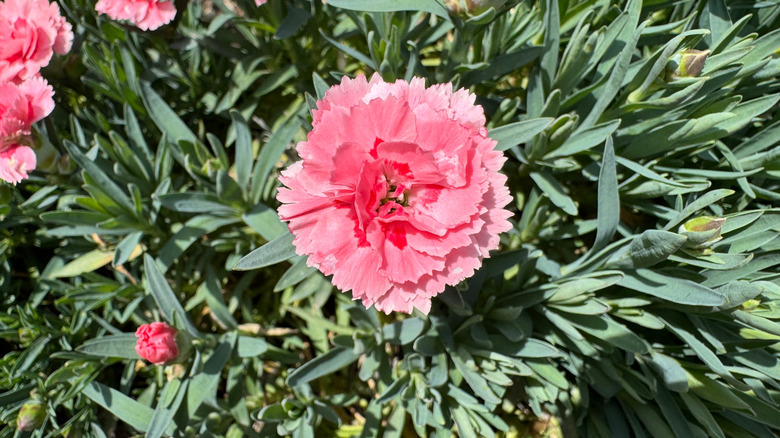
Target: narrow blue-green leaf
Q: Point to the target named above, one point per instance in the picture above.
(502, 64)
(403, 332)
(704, 353)
(646, 172)
(394, 390)
(433, 6)
(19, 394)
(676, 290)
(298, 272)
(166, 300)
(271, 152)
(605, 328)
(614, 84)
(164, 117)
(585, 140)
(192, 230)
(195, 202)
(273, 252)
(212, 289)
(248, 346)
(552, 40)
(351, 52)
(162, 419)
(555, 192)
(122, 406)
(320, 86)
(106, 183)
(702, 414)
(669, 369)
(475, 380)
(647, 249)
(737, 292)
(126, 247)
(716, 17)
(608, 199)
(534, 348)
(29, 356)
(243, 149)
(322, 365)
(204, 384)
(708, 199)
(513, 134)
(265, 221)
(122, 346)
(292, 23)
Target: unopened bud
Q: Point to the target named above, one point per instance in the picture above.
(175, 371)
(751, 304)
(31, 416)
(702, 231)
(66, 166)
(687, 64)
(48, 157)
(472, 7)
(27, 336)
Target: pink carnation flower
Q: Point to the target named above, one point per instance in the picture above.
(260, 2)
(398, 193)
(15, 161)
(31, 30)
(23, 104)
(157, 343)
(146, 14)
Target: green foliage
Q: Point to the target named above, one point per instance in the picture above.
(604, 314)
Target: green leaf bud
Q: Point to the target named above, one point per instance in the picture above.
(687, 64)
(702, 231)
(47, 155)
(31, 416)
(472, 7)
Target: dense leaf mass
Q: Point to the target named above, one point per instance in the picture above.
(636, 293)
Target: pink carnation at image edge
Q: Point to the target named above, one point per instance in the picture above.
(21, 105)
(15, 161)
(398, 193)
(146, 14)
(32, 30)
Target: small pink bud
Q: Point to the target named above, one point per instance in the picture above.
(157, 343)
(31, 416)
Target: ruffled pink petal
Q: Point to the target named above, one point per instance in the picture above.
(37, 100)
(260, 2)
(146, 14)
(64, 39)
(23, 104)
(31, 30)
(336, 246)
(155, 14)
(15, 162)
(400, 262)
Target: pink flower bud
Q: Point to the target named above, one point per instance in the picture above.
(31, 416)
(157, 343)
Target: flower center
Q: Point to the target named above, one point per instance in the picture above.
(396, 193)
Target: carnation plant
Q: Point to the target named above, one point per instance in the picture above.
(390, 218)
